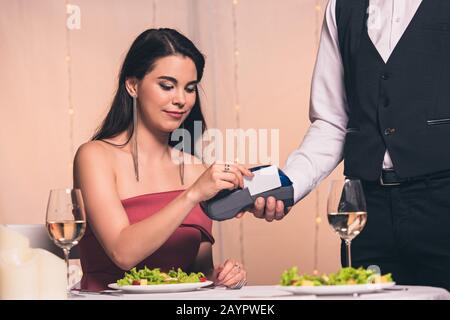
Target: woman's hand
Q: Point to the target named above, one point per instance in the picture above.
(216, 178)
(230, 274)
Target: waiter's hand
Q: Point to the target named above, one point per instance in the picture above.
(272, 209)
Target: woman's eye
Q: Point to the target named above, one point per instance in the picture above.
(166, 87)
(191, 89)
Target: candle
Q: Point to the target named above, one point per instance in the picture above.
(27, 273)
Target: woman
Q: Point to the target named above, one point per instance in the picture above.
(143, 207)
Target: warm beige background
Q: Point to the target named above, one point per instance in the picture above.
(277, 42)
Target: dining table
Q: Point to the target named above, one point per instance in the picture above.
(270, 292)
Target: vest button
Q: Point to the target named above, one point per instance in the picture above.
(389, 131)
(385, 76)
(385, 103)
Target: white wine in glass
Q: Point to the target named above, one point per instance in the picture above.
(347, 224)
(346, 210)
(66, 220)
(66, 234)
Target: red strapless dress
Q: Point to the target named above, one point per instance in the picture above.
(179, 251)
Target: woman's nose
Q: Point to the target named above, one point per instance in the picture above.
(179, 99)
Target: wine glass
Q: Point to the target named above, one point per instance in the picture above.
(66, 220)
(346, 210)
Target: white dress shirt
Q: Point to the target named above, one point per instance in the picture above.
(322, 147)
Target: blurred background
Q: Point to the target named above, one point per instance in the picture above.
(59, 63)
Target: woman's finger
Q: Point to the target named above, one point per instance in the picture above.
(229, 177)
(238, 174)
(241, 276)
(227, 267)
(237, 269)
(245, 171)
(222, 185)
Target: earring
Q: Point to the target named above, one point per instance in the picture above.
(134, 147)
(182, 159)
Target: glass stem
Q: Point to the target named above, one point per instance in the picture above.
(66, 257)
(349, 255)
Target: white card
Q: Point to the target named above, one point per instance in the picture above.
(263, 180)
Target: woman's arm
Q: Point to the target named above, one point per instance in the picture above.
(125, 244)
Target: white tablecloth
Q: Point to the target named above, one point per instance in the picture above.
(273, 293)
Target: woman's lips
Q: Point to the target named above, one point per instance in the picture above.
(174, 114)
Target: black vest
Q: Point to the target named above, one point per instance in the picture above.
(402, 105)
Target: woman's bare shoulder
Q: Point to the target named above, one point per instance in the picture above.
(92, 150)
(93, 162)
(94, 155)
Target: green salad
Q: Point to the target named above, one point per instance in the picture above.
(148, 276)
(345, 276)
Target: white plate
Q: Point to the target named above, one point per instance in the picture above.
(161, 288)
(336, 290)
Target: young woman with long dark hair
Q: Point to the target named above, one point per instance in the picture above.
(142, 206)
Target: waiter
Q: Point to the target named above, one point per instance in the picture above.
(380, 100)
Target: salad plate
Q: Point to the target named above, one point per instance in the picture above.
(338, 289)
(160, 288)
(156, 281)
(345, 281)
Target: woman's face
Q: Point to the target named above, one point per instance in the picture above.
(166, 95)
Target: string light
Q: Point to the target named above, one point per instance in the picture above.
(70, 104)
(74, 269)
(215, 120)
(318, 219)
(237, 108)
(236, 65)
